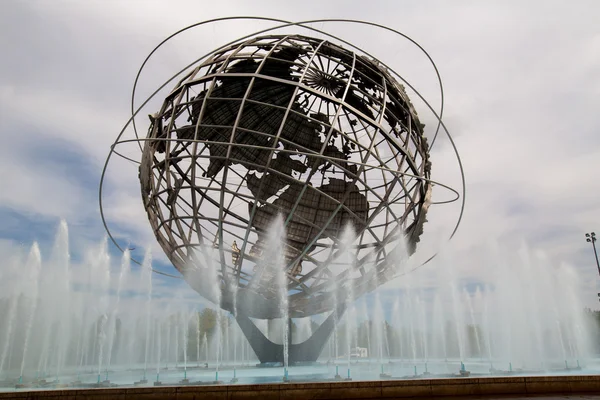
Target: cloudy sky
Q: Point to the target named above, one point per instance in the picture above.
(521, 83)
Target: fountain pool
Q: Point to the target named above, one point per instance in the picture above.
(102, 322)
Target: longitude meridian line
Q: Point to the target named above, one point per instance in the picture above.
(372, 139)
(231, 52)
(327, 138)
(230, 147)
(362, 166)
(166, 171)
(277, 137)
(362, 234)
(195, 204)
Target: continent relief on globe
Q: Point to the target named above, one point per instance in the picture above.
(260, 122)
(300, 132)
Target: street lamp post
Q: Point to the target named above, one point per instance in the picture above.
(591, 238)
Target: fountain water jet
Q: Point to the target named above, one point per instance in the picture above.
(101, 272)
(12, 314)
(61, 259)
(474, 326)
(33, 265)
(123, 279)
(158, 349)
(146, 280)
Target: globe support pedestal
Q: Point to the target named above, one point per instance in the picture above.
(307, 351)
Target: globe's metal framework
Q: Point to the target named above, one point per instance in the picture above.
(290, 126)
(294, 128)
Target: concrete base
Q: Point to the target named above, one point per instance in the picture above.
(270, 353)
(387, 389)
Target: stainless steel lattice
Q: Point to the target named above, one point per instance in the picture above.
(291, 127)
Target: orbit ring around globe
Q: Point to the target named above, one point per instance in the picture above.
(340, 198)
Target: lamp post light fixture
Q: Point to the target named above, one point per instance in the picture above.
(591, 238)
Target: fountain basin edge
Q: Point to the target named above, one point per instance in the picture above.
(488, 386)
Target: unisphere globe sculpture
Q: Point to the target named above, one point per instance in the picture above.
(294, 128)
(286, 176)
